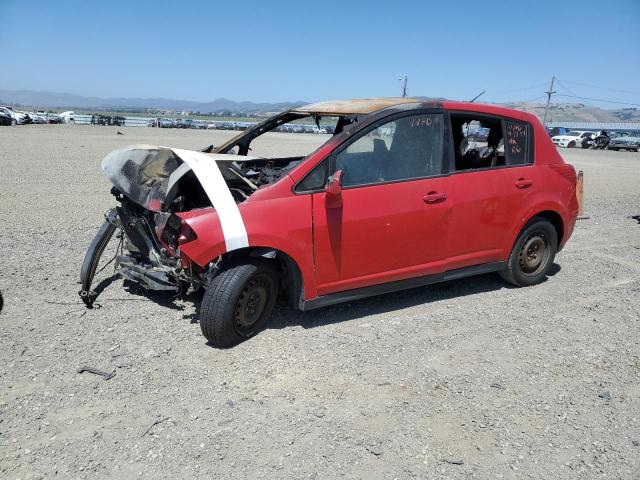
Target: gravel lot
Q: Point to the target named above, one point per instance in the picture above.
(468, 379)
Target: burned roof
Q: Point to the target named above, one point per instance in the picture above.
(355, 106)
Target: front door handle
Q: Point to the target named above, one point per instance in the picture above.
(523, 183)
(434, 197)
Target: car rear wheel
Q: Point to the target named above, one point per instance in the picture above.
(532, 254)
(238, 302)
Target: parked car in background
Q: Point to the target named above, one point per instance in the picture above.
(396, 198)
(5, 118)
(67, 117)
(555, 131)
(629, 142)
(9, 111)
(162, 123)
(19, 118)
(572, 139)
(587, 140)
(37, 118)
(243, 125)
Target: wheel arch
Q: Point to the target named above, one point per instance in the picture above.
(291, 277)
(549, 211)
(555, 219)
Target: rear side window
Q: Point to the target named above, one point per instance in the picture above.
(518, 143)
(402, 149)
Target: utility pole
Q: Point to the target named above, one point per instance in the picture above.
(404, 85)
(546, 108)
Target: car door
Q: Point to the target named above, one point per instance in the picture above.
(486, 202)
(393, 220)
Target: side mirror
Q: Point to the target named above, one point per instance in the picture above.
(333, 191)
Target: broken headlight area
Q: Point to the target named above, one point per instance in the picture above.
(143, 247)
(152, 186)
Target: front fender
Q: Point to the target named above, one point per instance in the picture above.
(282, 224)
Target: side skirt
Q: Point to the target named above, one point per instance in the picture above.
(390, 287)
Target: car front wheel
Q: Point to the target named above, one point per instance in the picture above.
(238, 302)
(532, 254)
(571, 144)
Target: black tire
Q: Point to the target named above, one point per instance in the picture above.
(238, 302)
(571, 144)
(532, 254)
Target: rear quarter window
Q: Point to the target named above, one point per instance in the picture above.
(519, 143)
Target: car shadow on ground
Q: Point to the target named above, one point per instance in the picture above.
(284, 316)
(164, 299)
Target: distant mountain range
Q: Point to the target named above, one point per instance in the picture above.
(68, 100)
(558, 112)
(578, 112)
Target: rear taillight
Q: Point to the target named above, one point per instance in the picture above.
(186, 234)
(566, 170)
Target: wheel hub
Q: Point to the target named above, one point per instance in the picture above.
(532, 254)
(251, 303)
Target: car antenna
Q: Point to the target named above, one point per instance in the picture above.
(477, 96)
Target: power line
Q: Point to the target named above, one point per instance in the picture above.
(597, 99)
(603, 88)
(566, 88)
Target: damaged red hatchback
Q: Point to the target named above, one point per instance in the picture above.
(405, 193)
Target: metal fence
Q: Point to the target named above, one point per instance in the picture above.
(595, 126)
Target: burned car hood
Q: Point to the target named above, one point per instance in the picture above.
(146, 174)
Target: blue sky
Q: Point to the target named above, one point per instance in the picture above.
(315, 50)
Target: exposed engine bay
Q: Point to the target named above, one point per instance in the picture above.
(245, 175)
(158, 179)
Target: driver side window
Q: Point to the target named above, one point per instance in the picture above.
(405, 148)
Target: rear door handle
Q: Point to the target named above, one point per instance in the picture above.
(523, 183)
(434, 197)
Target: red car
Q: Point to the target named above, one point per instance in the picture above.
(404, 193)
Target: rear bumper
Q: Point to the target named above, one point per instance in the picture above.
(618, 146)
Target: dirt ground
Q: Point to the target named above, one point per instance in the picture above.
(468, 379)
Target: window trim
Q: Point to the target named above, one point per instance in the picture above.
(479, 116)
(388, 119)
(317, 165)
(446, 128)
